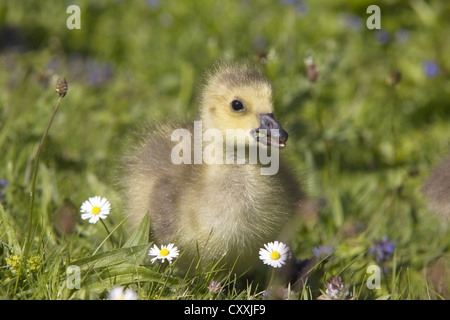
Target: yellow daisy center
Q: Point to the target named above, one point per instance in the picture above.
(164, 252)
(95, 210)
(274, 255)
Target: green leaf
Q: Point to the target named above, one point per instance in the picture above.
(113, 257)
(140, 235)
(128, 274)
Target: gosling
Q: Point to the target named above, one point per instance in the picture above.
(437, 189)
(214, 204)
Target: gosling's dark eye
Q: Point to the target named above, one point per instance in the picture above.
(236, 105)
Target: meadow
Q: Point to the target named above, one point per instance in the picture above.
(367, 112)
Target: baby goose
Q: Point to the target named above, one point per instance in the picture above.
(207, 200)
(437, 189)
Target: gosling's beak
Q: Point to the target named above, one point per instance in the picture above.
(273, 133)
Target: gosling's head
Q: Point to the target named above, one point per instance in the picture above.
(240, 97)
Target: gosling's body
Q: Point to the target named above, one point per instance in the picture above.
(217, 211)
(437, 189)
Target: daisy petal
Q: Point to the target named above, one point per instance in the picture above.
(95, 208)
(275, 254)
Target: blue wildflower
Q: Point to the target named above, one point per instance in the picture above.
(352, 21)
(382, 36)
(430, 68)
(383, 249)
(99, 72)
(214, 287)
(290, 2)
(301, 7)
(401, 36)
(336, 289)
(153, 3)
(3, 184)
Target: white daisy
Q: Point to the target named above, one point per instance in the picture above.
(275, 254)
(168, 252)
(95, 208)
(117, 293)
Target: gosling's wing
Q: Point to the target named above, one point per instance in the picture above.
(151, 182)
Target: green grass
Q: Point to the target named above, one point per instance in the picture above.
(133, 61)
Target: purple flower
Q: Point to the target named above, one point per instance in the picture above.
(383, 249)
(301, 7)
(352, 21)
(3, 183)
(99, 73)
(430, 68)
(153, 3)
(401, 36)
(214, 287)
(336, 289)
(382, 36)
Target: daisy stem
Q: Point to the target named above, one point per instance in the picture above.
(109, 236)
(33, 187)
(107, 231)
(272, 275)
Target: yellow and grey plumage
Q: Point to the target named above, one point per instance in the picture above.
(217, 211)
(437, 188)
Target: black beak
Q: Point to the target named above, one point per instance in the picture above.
(273, 133)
